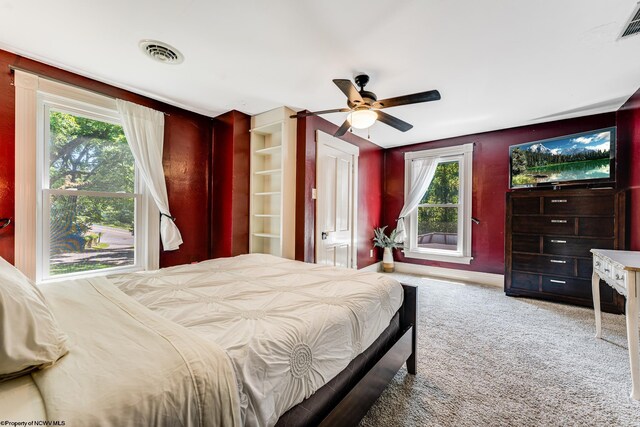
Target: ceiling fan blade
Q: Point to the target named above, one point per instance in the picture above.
(315, 113)
(394, 122)
(350, 90)
(343, 129)
(430, 95)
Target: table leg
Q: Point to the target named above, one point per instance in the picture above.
(595, 290)
(632, 335)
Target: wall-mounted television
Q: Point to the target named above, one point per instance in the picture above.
(582, 158)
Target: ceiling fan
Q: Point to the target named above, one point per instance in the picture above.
(364, 107)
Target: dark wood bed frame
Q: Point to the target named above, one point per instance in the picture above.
(353, 407)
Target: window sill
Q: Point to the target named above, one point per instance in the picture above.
(90, 274)
(453, 258)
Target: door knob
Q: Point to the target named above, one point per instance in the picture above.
(324, 235)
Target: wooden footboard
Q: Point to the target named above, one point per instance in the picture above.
(353, 407)
(409, 319)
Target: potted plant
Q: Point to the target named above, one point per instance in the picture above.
(388, 243)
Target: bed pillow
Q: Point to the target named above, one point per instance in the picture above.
(29, 334)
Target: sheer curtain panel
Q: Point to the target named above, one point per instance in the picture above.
(422, 172)
(144, 129)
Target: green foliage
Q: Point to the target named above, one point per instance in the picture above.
(86, 154)
(518, 161)
(445, 184)
(92, 241)
(444, 189)
(529, 168)
(381, 240)
(437, 220)
(533, 160)
(523, 179)
(66, 268)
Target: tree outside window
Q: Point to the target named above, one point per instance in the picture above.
(439, 229)
(438, 211)
(91, 194)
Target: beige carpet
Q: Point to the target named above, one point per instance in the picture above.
(486, 359)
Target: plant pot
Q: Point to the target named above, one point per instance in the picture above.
(387, 261)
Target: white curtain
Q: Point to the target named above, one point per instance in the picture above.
(422, 172)
(144, 129)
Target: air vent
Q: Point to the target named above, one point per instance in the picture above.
(161, 52)
(633, 27)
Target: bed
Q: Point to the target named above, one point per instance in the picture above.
(251, 340)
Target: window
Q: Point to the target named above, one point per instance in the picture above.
(440, 227)
(88, 192)
(439, 209)
(83, 208)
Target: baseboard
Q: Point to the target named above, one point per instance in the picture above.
(466, 276)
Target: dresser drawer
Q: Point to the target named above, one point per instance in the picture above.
(601, 205)
(550, 234)
(596, 227)
(573, 246)
(585, 268)
(543, 264)
(612, 273)
(544, 225)
(525, 243)
(525, 205)
(564, 286)
(524, 281)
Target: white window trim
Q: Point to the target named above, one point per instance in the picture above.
(31, 90)
(464, 154)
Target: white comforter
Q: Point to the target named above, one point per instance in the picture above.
(288, 326)
(127, 366)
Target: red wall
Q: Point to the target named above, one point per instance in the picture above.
(490, 183)
(187, 149)
(628, 120)
(370, 165)
(230, 184)
(206, 164)
(7, 154)
(187, 146)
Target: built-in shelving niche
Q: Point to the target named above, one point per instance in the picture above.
(273, 183)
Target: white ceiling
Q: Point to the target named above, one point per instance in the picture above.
(497, 63)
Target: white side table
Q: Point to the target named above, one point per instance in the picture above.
(621, 271)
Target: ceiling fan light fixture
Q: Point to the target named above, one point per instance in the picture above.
(362, 119)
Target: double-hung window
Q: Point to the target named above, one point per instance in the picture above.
(439, 228)
(89, 190)
(90, 210)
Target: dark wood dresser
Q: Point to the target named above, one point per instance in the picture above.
(548, 238)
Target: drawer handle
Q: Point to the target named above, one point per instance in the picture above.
(597, 263)
(559, 201)
(558, 241)
(619, 277)
(606, 270)
(558, 261)
(559, 221)
(558, 281)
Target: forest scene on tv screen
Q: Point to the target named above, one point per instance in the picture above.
(579, 157)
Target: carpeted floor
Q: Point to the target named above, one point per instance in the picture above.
(486, 359)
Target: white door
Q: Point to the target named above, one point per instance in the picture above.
(336, 204)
